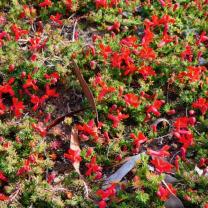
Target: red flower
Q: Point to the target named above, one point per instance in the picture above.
(2, 107)
(165, 39)
(124, 61)
(105, 50)
(206, 205)
(161, 165)
(201, 104)
(114, 3)
(102, 204)
(18, 32)
(148, 37)
(6, 87)
(53, 77)
(3, 35)
(193, 73)
(3, 177)
(147, 53)
(202, 38)
(73, 156)
(147, 71)
(51, 92)
(51, 177)
(166, 19)
(25, 169)
(155, 107)
(177, 162)
(101, 3)
(68, 4)
(130, 69)
(89, 152)
(161, 153)
(117, 118)
(45, 3)
(130, 41)
(187, 54)
(138, 140)
(132, 100)
(39, 127)
(37, 44)
(164, 193)
(2, 20)
(186, 139)
(109, 192)
(89, 129)
(3, 197)
(115, 27)
(17, 107)
(56, 18)
(93, 167)
(182, 123)
(30, 83)
(105, 90)
(37, 101)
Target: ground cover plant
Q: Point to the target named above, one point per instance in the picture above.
(103, 103)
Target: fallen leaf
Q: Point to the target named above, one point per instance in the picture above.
(170, 179)
(85, 89)
(129, 164)
(74, 145)
(173, 202)
(122, 171)
(60, 119)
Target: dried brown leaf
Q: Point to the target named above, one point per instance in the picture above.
(74, 145)
(86, 89)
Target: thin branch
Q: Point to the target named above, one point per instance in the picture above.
(74, 30)
(166, 185)
(60, 119)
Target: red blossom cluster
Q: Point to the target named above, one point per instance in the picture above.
(131, 100)
(3, 35)
(87, 130)
(116, 116)
(201, 104)
(26, 168)
(153, 109)
(94, 169)
(183, 134)
(164, 193)
(28, 12)
(57, 18)
(28, 86)
(138, 140)
(18, 32)
(104, 89)
(106, 194)
(73, 155)
(3, 177)
(161, 165)
(105, 4)
(193, 73)
(46, 3)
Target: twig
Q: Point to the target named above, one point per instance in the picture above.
(13, 196)
(74, 30)
(174, 155)
(56, 189)
(60, 119)
(196, 131)
(166, 185)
